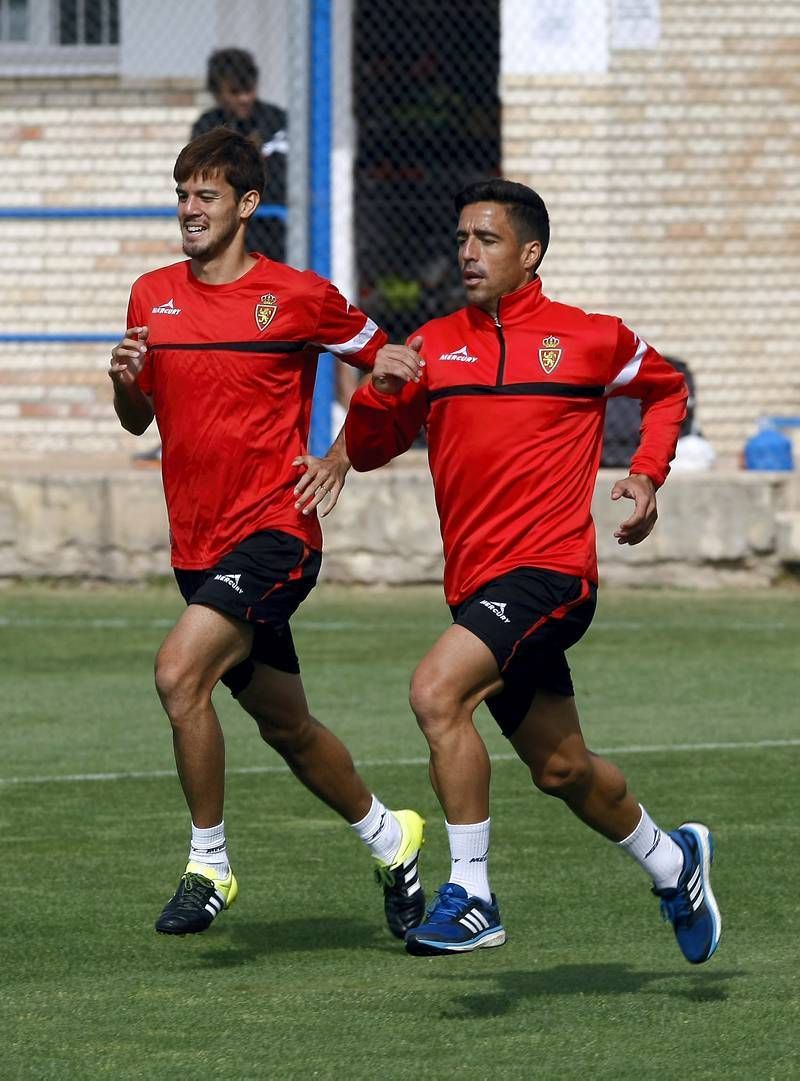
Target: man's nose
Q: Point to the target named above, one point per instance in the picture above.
(469, 249)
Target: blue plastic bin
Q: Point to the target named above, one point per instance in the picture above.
(769, 449)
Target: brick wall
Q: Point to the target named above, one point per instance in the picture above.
(673, 182)
(79, 142)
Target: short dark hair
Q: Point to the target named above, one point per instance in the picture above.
(526, 208)
(223, 151)
(236, 67)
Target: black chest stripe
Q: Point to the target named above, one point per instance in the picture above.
(234, 347)
(515, 390)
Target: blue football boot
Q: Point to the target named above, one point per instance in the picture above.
(690, 906)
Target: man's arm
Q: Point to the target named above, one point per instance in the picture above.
(663, 393)
(395, 367)
(133, 407)
(345, 331)
(386, 413)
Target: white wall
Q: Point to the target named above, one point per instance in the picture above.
(173, 40)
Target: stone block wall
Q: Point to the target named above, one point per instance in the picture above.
(723, 529)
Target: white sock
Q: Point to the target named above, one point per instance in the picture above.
(654, 851)
(208, 848)
(380, 831)
(469, 857)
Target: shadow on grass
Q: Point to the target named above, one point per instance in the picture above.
(245, 942)
(601, 979)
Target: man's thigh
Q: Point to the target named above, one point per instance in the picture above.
(458, 668)
(202, 646)
(528, 618)
(261, 582)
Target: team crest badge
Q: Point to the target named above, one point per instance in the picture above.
(549, 354)
(265, 310)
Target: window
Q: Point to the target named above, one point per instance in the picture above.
(71, 22)
(59, 37)
(14, 20)
(88, 22)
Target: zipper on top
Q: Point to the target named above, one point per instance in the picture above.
(502, 362)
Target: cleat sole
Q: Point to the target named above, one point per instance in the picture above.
(420, 947)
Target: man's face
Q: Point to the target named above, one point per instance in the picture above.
(235, 101)
(208, 214)
(492, 260)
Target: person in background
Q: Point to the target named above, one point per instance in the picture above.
(624, 418)
(233, 81)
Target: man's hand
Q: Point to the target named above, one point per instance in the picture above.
(641, 490)
(133, 407)
(323, 480)
(127, 358)
(396, 365)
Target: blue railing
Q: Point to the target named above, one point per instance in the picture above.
(324, 390)
(37, 213)
(41, 338)
(34, 213)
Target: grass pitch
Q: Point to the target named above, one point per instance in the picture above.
(695, 696)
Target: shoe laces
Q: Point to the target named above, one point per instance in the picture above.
(384, 876)
(189, 897)
(446, 906)
(677, 909)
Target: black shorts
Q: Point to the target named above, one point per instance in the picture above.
(528, 618)
(263, 581)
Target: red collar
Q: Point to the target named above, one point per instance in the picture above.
(513, 307)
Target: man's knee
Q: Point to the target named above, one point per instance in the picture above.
(434, 702)
(169, 674)
(563, 776)
(178, 683)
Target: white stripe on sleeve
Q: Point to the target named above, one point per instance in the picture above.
(631, 369)
(355, 344)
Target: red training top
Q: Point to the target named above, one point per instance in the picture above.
(514, 411)
(231, 370)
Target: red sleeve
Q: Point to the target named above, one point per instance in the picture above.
(643, 373)
(380, 426)
(346, 332)
(136, 318)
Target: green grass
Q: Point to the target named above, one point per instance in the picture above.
(300, 979)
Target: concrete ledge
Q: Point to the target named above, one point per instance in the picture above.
(715, 529)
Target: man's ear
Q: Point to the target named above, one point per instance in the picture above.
(248, 204)
(532, 255)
